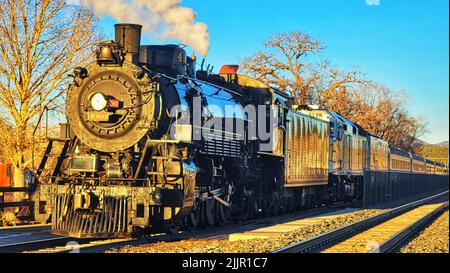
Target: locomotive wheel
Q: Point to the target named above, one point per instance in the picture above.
(185, 224)
(255, 208)
(264, 207)
(227, 212)
(172, 229)
(209, 206)
(203, 221)
(220, 213)
(276, 207)
(284, 206)
(246, 211)
(251, 206)
(194, 218)
(272, 207)
(291, 204)
(137, 232)
(268, 208)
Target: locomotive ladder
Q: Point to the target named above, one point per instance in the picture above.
(54, 167)
(67, 142)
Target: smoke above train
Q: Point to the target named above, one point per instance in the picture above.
(162, 19)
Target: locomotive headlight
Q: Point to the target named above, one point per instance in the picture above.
(98, 102)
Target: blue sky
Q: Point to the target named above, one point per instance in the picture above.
(403, 44)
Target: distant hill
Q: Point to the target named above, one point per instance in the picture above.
(437, 152)
(443, 144)
(421, 142)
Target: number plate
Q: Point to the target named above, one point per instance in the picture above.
(98, 116)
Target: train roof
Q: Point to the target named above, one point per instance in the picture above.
(377, 138)
(348, 122)
(399, 152)
(430, 161)
(416, 157)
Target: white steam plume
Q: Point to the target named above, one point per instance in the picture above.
(168, 18)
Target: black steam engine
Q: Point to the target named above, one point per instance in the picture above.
(153, 143)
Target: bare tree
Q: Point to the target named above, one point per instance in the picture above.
(333, 87)
(383, 113)
(41, 41)
(285, 65)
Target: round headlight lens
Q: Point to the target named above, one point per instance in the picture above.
(98, 102)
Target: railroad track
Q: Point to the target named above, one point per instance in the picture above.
(32, 245)
(217, 233)
(29, 237)
(346, 239)
(38, 237)
(394, 243)
(37, 227)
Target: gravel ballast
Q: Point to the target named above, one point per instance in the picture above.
(434, 239)
(247, 246)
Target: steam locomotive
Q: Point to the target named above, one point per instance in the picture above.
(152, 143)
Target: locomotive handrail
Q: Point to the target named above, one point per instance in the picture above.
(201, 81)
(215, 85)
(45, 110)
(9, 189)
(16, 204)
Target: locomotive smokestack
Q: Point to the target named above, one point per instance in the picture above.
(129, 37)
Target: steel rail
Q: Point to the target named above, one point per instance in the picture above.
(324, 240)
(31, 227)
(393, 243)
(99, 247)
(34, 245)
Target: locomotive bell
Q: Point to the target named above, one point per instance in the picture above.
(106, 55)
